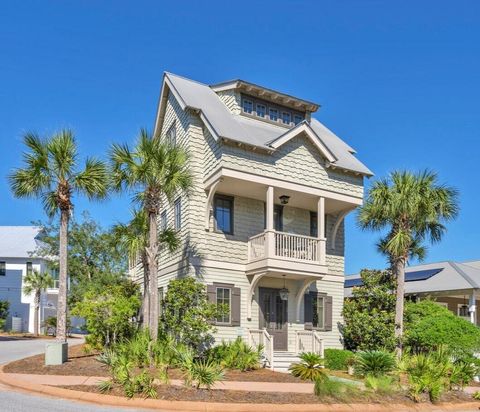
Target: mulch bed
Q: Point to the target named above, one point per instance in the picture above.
(83, 364)
(176, 393)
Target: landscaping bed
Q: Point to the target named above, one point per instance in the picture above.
(178, 393)
(83, 364)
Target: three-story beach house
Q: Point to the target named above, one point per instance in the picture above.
(263, 226)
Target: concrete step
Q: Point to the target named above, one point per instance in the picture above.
(283, 360)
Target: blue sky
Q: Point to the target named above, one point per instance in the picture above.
(398, 80)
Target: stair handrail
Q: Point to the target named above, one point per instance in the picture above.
(266, 340)
(317, 343)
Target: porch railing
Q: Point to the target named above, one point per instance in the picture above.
(286, 246)
(309, 341)
(262, 337)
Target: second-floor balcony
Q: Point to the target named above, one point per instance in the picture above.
(281, 252)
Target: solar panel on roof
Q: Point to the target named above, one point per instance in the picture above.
(409, 277)
(421, 274)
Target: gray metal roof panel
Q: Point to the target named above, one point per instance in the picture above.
(252, 132)
(19, 241)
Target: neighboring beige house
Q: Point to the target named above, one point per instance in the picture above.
(455, 285)
(263, 226)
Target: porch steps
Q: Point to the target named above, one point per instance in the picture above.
(282, 360)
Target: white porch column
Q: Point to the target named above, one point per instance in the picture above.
(472, 309)
(321, 230)
(269, 235)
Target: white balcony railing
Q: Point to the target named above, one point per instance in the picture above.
(286, 246)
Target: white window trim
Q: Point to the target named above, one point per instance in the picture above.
(229, 305)
(459, 306)
(243, 106)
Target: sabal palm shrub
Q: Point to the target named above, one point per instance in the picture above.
(51, 172)
(203, 373)
(375, 363)
(236, 355)
(310, 367)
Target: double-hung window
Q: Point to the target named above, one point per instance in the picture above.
(273, 114)
(223, 214)
(3, 268)
(178, 213)
(261, 110)
(297, 119)
(171, 137)
(163, 221)
(247, 106)
(286, 117)
(29, 268)
(223, 302)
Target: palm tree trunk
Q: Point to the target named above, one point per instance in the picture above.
(61, 333)
(152, 251)
(37, 310)
(399, 272)
(146, 292)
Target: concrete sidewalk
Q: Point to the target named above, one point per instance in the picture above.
(64, 380)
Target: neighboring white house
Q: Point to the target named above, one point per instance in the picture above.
(18, 245)
(455, 285)
(263, 226)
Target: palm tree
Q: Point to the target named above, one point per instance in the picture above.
(36, 282)
(413, 209)
(155, 171)
(133, 237)
(51, 173)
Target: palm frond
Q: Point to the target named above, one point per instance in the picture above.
(63, 150)
(93, 179)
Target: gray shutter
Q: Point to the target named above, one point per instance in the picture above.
(212, 293)
(328, 312)
(308, 318)
(236, 310)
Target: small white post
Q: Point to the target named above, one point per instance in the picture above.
(321, 230)
(473, 308)
(269, 235)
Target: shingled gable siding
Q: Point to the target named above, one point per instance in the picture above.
(296, 161)
(232, 99)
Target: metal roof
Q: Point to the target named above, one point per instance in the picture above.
(433, 277)
(226, 125)
(19, 241)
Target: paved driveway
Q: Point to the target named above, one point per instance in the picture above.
(14, 401)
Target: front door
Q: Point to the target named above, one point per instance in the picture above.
(274, 316)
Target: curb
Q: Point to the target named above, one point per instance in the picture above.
(110, 400)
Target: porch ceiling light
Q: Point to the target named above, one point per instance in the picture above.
(284, 291)
(284, 199)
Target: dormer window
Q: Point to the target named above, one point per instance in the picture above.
(297, 119)
(273, 115)
(261, 110)
(247, 106)
(286, 118)
(171, 137)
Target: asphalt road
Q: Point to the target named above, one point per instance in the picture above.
(13, 401)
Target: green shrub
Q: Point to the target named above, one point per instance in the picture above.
(4, 306)
(383, 385)
(375, 363)
(429, 325)
(326, 387)
(476, 395)
(309, 368)
(236, 355)
(202, 373)
(337, 359)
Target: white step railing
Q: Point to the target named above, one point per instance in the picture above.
(258, 337)
(309, 341)
(286, 246)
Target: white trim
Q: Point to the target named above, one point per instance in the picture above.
(208, 206)
(340, 218)
(303, 127)
(300, 295)
(282, 184)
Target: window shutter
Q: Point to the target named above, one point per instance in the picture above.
(328, 312)
(212, 294)
(236, 310)
(307, 299)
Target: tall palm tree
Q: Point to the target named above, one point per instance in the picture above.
(133, 237)
(36, 282)
(412, 208)
(155, 171)
(51, 173)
